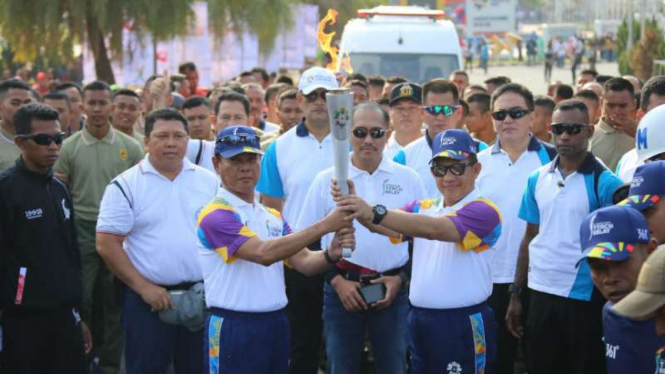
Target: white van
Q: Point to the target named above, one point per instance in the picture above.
(407, 41)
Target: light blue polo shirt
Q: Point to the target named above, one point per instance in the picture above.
(559, 206)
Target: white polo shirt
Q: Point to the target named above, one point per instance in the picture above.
(559, 206)
(503, 182)
(392, 147)
(391, 185)
(289, 166)
(455, 275)
(157, 216)
(627, 166)
(204, 150)
(231, 283)
(417, 156)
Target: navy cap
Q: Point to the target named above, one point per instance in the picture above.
(235, 140)
(406, 91)
(456, 144)
(647, 186)
(611, 233)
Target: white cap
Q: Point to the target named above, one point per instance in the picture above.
(650, 137)
(315, 78)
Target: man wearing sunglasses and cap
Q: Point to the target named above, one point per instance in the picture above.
(557, 198)
(616, 242)
(243, 247)
(41, 288)
(350, 310)
(451, 327)
(441, 112)
(506, 169)
(290, 164)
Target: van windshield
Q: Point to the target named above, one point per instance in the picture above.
(418, 68)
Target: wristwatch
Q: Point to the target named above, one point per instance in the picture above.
(380, 212)
(514, 289)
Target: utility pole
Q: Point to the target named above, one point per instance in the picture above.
(631, 13)
(643, 18)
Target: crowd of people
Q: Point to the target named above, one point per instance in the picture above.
(492, 230)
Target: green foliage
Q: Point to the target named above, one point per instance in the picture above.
(625, 55)
(651, 48)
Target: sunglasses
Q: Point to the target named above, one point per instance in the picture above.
(44, 139)
(501, 115)
(312, 96)
(568, 128)
(457, 169)
(435, 110)
(239, 139)
(375, 133)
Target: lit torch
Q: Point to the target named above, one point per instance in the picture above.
(325, 41)
(340, 104)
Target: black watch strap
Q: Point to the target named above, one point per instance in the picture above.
(513, 289)
(380, 212)
(329, 260)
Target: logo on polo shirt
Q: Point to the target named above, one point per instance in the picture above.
(273, 231)
(34, 213)
(448, 140)
(123, 154)
(391, 189)
(454, 368)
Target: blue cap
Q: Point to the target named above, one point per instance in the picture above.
(235, 140)
(611, 233)
(647, 186)
(455, 144)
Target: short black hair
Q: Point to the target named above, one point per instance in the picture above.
(382, 101)
(35, 95)
(195, 102)
(264, 73)
(27, 113)
(126, 92)
(273, 90)
(545, 102)
(376, 80)
(573, 104)
(564, 91)
(601, 79)
(359, 77)
(619, 84)
(15, 84)
(396, 80)
(58, 95)
(68, 85)
(376, 107)
(97, 86)
(234, 86)
(591, 72)
(232, 96)
(515, 88)
(288, 94)
(655, 85)
(482, 100)
(465, 107)
(359, 83)
(284, 79)
(588, 94)
(441, 86)
(460, 72)
(166, 114)
(498, 81)
(186, 66)
(475, 87)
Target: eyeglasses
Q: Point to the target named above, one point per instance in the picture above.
(568, 128)
(435, 110)
(375, 133)
(501, 115)
(238, 139)
(312, 96)
(45, 139)
(457, 169)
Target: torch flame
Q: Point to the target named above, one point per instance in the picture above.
(325, 39)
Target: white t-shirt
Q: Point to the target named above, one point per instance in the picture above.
(157, 216)
(455, 275)
(391, 185)
(232, 283)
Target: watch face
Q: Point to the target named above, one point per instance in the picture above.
(380, 209)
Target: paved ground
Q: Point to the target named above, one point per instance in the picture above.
(533, 76)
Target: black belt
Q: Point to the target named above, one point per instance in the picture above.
(357, 277)
(184, 286)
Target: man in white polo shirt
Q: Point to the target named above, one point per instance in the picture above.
(506, 168)
(290, 164)
(347, 315)
(441, 112)
(146, 234)
(451, 327)
(563, 328)
(243, 246)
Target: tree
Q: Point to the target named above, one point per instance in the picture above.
(626, 66)
(651, 48)
(53, 27)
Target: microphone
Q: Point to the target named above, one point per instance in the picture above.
(560, 184)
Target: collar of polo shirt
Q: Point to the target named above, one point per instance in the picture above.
(587, 166)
